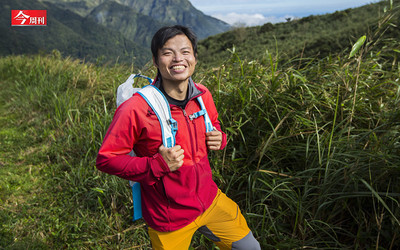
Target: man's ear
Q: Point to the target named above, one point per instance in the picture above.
(155, 62)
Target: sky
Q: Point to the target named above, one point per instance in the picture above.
(258, 12)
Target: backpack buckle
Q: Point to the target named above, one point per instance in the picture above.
(197, 114)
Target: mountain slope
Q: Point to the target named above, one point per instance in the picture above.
(163, 11)
(307, 37)
(135, 26)
(67, 32)
(180, 12)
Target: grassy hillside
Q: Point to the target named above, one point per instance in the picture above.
(313, 150)
(67, 32)
(124, 34)
(309, 37)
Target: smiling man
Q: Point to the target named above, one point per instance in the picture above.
(179, 196)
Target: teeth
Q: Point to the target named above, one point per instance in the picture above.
(178, 67)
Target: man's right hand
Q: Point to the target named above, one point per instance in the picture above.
(172, 156)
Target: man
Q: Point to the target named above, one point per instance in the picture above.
(179, 196)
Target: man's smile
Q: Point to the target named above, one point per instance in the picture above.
(178, 67)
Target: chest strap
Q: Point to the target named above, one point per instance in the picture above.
(202, 112)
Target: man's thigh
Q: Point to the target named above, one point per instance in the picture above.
(227, 227)
(179, 239)
(222, 223)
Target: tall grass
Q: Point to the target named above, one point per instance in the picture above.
(313, 150)
(70, 105)
(313, 153)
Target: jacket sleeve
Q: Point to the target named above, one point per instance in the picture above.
(213, 114)
(118, 142)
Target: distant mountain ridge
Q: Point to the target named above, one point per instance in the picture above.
(165, 12)
(114, 31)
(68, 32)
(180, 12)
(119, 30)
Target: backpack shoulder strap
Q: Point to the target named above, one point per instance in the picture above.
(203, 112)
(157, 101)
(159, 104)
(207, 120)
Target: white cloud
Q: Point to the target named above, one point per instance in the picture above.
(257, 12)
(276, 7)
(234, 18)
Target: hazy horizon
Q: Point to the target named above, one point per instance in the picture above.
(258, 12)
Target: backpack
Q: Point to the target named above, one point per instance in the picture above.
(169, 127)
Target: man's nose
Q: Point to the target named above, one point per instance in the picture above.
(178, 57)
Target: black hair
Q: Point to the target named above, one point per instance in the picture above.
(168, 32)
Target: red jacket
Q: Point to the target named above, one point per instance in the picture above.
(170, 200)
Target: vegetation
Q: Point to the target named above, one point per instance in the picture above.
(312, 36)
(157, 12)
(99, 31)
(313, 154)
(67, 32)
(135, 26)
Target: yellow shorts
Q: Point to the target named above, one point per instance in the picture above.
(222, 222)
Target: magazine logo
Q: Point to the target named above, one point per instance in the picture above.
(28, 17)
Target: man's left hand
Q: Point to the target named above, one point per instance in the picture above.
(214, 140)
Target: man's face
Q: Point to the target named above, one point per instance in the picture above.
(176, 60)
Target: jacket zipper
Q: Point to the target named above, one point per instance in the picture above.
(193, 157)
(169, 202)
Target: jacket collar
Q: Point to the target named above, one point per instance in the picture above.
(194, 91)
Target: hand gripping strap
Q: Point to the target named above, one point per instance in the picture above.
(160, 106)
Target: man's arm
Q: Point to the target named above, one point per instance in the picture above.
(113, 155)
